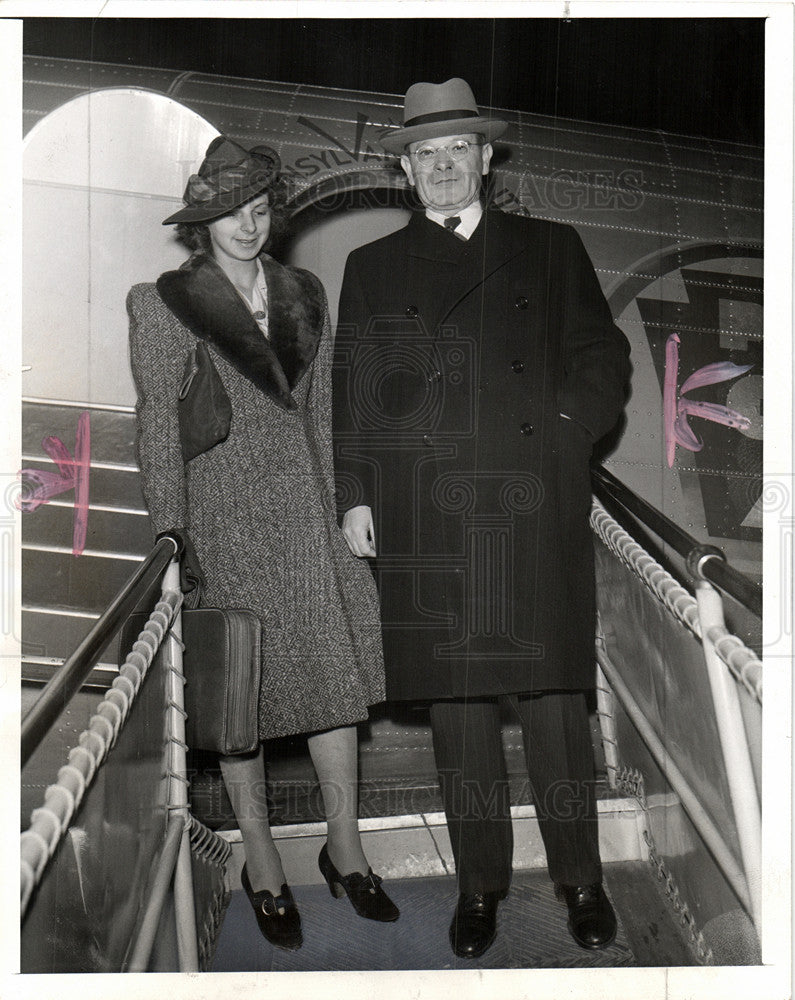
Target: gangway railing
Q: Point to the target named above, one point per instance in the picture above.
(703, 561)
(727, 660)
(182, 836)
(73, 674)
(702, 615)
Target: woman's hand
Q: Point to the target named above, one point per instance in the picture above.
(357, 527)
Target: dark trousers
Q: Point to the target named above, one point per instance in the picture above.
(467, 741)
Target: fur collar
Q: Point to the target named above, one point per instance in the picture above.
(202, 297)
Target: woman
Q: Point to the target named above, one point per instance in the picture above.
(259, 506)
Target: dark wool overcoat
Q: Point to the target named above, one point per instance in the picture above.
(454, 362)
(259, 507)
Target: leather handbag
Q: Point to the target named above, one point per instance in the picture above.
(221, 662)
(205, 412)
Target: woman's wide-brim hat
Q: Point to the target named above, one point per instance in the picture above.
(436, 109)
(228, 177)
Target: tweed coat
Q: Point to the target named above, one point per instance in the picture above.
(453, 364)
(259, 507)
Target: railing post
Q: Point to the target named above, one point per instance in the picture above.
(605, 710)
(142, 950)
(742, 874)
(187, 945)
(702, 821)
(731, 729)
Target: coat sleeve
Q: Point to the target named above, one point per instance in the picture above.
(596, 353)
(157, 360)
(355, 475)
(320, 398)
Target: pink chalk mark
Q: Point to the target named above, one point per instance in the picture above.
(719, 371)
(669, 396)
(73, 473)
(714, 412)
(684, 435)
(83, 455)
(676, 409)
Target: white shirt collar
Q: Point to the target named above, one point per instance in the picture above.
(260, 290)
(470, 217)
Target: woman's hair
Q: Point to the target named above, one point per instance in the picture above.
(196, 235)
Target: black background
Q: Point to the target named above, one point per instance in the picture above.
(693, 76)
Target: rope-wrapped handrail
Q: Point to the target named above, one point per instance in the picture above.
(703, 561)
(211, 849)
(744, 665)
(62, 798)
(658, 580)
(71, 676)
(206, 844)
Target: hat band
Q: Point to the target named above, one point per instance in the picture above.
(440, 116)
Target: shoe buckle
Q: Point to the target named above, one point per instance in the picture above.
(272, 905)
(371, 882)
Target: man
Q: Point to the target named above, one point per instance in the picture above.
(476, 364)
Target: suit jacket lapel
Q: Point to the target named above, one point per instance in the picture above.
(489, 248)
(202, 297)
(431, 241)
(433, 260)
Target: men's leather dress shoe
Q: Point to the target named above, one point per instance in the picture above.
(474, 923)
(592, 922)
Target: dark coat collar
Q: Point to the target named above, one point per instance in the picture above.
(496, 235)
(428, 239)
(202, 297)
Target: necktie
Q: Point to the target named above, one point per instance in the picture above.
(452, 222)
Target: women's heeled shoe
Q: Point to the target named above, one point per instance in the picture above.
(277, 916)
(364, 891)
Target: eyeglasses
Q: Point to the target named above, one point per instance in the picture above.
(457, 150)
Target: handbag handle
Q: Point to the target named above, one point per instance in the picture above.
(191, 575)
(184, 389)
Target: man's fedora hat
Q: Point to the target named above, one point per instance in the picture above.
(435, 109)
(228, 177)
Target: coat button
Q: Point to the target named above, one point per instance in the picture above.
(435, 376)
(518, 366)
(521, 302)
(526, 429)
(412, 312)
(427, 440)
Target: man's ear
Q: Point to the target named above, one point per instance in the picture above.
(405, 162)
(486, 153)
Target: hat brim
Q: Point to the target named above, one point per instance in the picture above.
(396, 140)
(216, 207)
